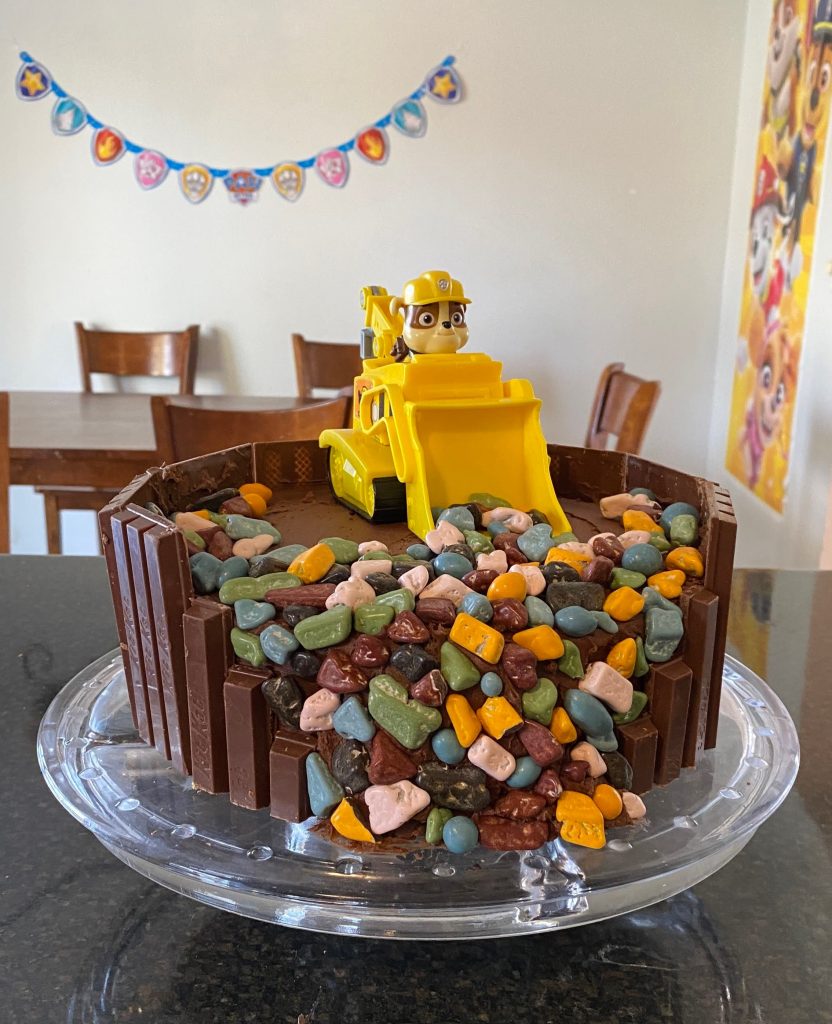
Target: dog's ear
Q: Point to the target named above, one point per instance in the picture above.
(757, 337)
(396, 304)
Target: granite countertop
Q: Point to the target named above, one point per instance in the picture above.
(84, 938)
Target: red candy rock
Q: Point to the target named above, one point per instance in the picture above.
(541, 745)
(519, 805)
(220, 545)
(548, 785)
(431, 689)
(599, 570)
(509, 615)
(520, 665)
(338, 674)
(608, 547)
(508, 542)
(480, 579)
(574, 771)
(503, 834)
(237, 506)
(313, 595)
(436, 609)
(369, 652)
(408, 628)
(388, 762)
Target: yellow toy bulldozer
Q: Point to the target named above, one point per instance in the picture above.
(431, 427)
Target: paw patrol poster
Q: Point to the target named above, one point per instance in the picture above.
(781, 234)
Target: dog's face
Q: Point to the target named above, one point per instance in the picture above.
(816, 92)
(435, 327)
(782, 42)
(760, 247)
(774, 381)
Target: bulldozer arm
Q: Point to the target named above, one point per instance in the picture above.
(490, 446)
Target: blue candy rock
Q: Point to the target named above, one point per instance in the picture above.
(461, 517)
(540, 614)
(575, 621)
(452, 564)
(678, 508)
(643, 558)
(477, 606)
(252, 613)
(460, 834)
(588, 713)
(663, 632)
(204, 571)
(525, 774)
(324, 792)
(277, 643)
(536, 542)
(447, 747)
(352, 720)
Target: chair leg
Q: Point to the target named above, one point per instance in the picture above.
(53, 524)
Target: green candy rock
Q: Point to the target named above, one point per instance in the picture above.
(247, 647)
(240, 527)
(660, 542)
(255, 588)
(636, 708)
(345, 551)
(642, 665)
(403, 558)
(570, 661)
(194, 538)
(460, 673)
(407, 721)
(488, 500)
(218, 519)
(324, 630)
(627, 578)
(479, 543)
(540, 701)
(435, 823)
(683, 530)
(540, 614)
(375, 556)
(564, 538)
(399, 600)
(373, 618)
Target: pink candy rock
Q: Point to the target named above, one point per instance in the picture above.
(415, 580)
(614, 506)
(494, 760)
(496, 560)
(393, 805)
(444, 534)
(535, 580)
(631, 537)
(352, 592)
(633, 805)
(371, 545)
(448, 587)
(317, 711)
(586, 752)
(370, 565)
(514, 519)
(609, 686)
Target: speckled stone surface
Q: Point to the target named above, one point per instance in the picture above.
(85, 939)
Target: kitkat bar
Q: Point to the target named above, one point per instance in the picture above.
(108, 547)
(668, 692)
(135, 531)
(701, 616)
(247, 736)
(169, 579)
(638, 742)
(208, 656)
(134, 658)
(287, 775)
(719, 565)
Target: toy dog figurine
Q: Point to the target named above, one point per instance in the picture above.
(433, 305)
(774, 362)
(782, 70)
(796, 159)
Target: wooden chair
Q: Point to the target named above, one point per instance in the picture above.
(5, 475)
(325, 364)
(623, 406)
(120, 354)
(183, 432)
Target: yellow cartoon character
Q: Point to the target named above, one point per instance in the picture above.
(433, 306)
(796, 160)
(782, 69)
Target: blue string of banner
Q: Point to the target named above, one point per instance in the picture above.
(151, 167)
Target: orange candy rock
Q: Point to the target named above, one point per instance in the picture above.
(623, 604)
(582, 821)
(623, 657)
(687, 559)
(476, 637)
(259, 489)
(507, 585)
(561, 727)
(669, 584)
(576, 559)
(346, 822)
(635, 520)
(608, 801)
(313, 564)
(465, 722)
(542, 641)
(497, 717)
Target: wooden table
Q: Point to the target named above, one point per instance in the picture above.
(67, 439)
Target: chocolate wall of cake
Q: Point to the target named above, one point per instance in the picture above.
(204, 710)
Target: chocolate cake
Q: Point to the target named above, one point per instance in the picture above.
(503, 685)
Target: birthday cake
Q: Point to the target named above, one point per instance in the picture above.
(430, 627)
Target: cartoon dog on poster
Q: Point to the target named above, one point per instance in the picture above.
(766, 273)
(774, 362)
(796, 159)
(782, 70)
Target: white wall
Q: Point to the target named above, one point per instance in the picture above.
(581, 191)
(765, 538)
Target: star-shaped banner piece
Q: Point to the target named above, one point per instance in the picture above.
(33, 81)
(444, 85)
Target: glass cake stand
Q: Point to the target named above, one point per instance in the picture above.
(249, 863)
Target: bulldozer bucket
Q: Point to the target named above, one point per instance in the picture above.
(467, 446)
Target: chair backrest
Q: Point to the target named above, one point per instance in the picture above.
(623, 406)
(137, 354)
(325, 364)
(5, 474)
(183, 431)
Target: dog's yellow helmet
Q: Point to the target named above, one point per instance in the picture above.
(433, 286)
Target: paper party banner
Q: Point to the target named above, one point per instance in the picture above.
(242, 185)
